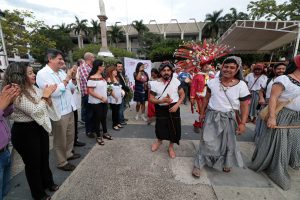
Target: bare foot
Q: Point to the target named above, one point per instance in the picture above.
(155, 146)
(196, 172)
(172, 153)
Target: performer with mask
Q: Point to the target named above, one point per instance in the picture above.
(218, 147)
(167, 95)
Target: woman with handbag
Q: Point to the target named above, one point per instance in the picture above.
(218, 147)
(264, 96)
(279, 146)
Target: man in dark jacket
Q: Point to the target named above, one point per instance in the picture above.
(121, 76)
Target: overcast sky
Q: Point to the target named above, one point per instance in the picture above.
(54, 12)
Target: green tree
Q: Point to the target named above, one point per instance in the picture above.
(80, 27)
(164, 50)
(116, 34)
(16, 35)
(230, 18)
(66, 28)
(270, 10)
(214, 25)
(95, 30)
(141, 28)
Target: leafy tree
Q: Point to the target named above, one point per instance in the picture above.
(66, 28)
(164, 50)
(230, 18)
(270, 10)
(95, 29)
(214, 25)
(14, 30)
(116, 34)
(141, 28)
(79, 27)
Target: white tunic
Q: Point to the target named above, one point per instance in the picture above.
(269, 88)
(258, 84)
(100, 88)
(291, 91)
(172, 90)
(218, 100)
(117, 90)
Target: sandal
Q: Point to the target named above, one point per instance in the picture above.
(196, 172)
(107, 136)
(100, 140)
(116, 128)
(226, 169)
(53, 188)
(120, 126)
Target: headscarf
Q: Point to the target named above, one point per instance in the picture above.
(238, 60)
(259, 66)
(164, 65)
(297, 61)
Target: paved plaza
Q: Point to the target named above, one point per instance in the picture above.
(125, 168)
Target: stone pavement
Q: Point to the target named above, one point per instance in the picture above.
(125, 168)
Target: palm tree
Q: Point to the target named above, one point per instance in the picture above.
(230, 18)
(95, 29)
(116, 34)
(64, 28)
(79, 27)
(213, 27)
(141, 28)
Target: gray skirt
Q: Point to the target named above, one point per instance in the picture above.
(253, 104)
(218, 146)
(260, 127)
(278, 148)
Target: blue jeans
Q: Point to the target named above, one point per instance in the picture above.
(5, 163)
(121, 110)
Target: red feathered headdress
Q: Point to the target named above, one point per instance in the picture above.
(193, 55)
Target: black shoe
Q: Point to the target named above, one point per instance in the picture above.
(125, 120)
(75, 156)
(123, 123)
(79, 144)
(67, 167)
(53, 188)
(90, 135)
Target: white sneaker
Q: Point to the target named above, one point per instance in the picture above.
(144, 118)
(137, 117)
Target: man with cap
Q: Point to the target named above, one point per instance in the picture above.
(167, 95)
(255, 80)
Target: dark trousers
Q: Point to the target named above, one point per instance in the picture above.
(121, 111)
(99, 116)
(87, 114)
(75, 125)
(115, 113)
(32, 142)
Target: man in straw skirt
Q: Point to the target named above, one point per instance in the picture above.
(279, 145)
(167, 95)
(224, 97)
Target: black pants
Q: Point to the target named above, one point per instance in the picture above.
(99, 116)
(115, 113)
(32, 142)
(76, 125)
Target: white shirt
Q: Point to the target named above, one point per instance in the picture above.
(62, 97)
(172, 90)
(291, 92)
(117, 90)
(28, 111)
(269, 88)
(100, 87)
(258, 84)
(218, 100)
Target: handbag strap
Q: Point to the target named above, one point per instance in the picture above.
(254, 82)
(165, 88)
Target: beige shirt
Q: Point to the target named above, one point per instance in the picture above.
(27, 111)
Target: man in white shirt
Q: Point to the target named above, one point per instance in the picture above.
(63, 129)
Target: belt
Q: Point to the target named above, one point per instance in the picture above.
(4, 149)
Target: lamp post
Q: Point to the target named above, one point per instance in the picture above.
(3, 42)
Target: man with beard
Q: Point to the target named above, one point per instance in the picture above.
(167, 95)
(255, 81)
